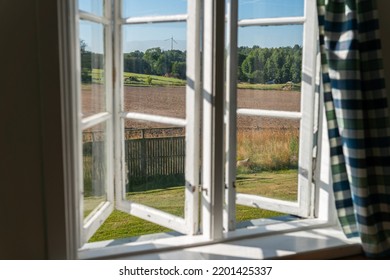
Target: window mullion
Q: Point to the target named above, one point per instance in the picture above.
(90, 224)
(271, 21)
(119, 148)
(193, 102)
(156, 19)
(94, 18)
(94, 120)
(306, 186)
(231, 116)
(154, 118)
(213, 116)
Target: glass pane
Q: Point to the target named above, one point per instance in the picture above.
(137, 8)
(250, 9)
(155, 166)
(269, 78)
(267, 163)
(92, 6)
(155, 69)
(94, 168)
(93, 90)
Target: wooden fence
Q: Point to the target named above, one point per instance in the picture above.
(158, 161)
(155, 158)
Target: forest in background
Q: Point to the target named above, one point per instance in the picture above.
(256, 65)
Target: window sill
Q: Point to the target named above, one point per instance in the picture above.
(301, 239)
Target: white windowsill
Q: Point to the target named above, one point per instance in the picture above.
(301, 239)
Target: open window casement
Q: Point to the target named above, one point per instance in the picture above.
(188, 223)
(96, 193)
(209, 206)
(305, 116)
(103, 162)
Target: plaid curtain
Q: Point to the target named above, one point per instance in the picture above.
(357, 117)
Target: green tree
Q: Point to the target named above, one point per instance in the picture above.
(135, 63)
(179, 69)
(152, 56)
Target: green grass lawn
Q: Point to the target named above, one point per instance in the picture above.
(146, 80)
(276, 184)
(278, 87)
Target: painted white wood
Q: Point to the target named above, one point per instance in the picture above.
(305, 174)
(207, 118)
(270, 113)
(193, 102)
(109, 101)
(93, 120)
(154, 118)
(229, 219)
(271, 21)
(154, 215)
(95, 221)
(70, 122)
(304, 207)
(79, 142)
(268, 203)
(119, 148)
(94, 18)
(155, 19)
(90, 226)
(213, 119)
(271, 235)
(189, 225)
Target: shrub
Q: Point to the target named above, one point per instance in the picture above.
(149, 80)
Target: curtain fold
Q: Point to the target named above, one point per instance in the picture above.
(357, 116)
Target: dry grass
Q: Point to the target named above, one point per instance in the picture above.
(268, 149)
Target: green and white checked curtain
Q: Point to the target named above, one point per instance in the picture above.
(357, 118)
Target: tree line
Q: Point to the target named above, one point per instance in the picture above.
(155, 61)
(270, 65)
(255, 64)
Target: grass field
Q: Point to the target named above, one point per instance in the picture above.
(293, 87)
(146, 80)
(142, 80)
(268, 149)
(277, 184)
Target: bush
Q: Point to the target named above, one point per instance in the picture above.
(149, 80)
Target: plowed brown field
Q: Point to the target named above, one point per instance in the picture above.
(170, 101)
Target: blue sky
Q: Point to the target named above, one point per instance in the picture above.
(142, 37)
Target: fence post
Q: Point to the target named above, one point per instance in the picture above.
(143, 157)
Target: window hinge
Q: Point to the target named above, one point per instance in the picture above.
(233, 185)
(198, 188)
(201, 189)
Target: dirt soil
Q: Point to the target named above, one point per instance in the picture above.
(170, 101)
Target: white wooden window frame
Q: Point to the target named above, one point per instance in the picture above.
(90, 224)
(213, 191)
(303, 206)
(190, 223)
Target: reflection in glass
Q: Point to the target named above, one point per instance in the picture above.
(92, 6)
(137, 8)
(250, 9)
(94, 168)
(93, 90)
(155, 167)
